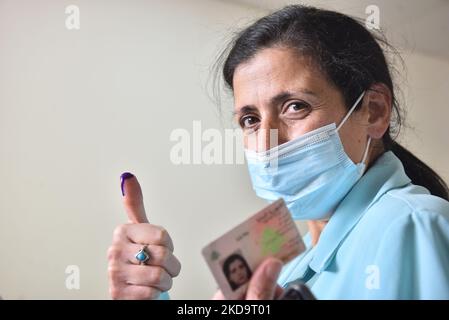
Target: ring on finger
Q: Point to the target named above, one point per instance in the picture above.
(142, 255)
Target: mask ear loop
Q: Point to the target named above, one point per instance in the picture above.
(365, 155)
(350, 111)
(362, 169)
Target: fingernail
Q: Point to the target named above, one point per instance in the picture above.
(273, 269)
(123, 177)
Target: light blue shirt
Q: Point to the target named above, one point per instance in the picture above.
(164, 296)
(388, 239)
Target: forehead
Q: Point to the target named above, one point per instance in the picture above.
(235, 263)
(273, 70)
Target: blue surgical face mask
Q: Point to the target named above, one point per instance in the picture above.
(312, 173)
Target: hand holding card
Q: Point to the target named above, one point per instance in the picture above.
(233, 257)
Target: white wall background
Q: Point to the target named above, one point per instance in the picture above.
(427, 95)
(77, 108)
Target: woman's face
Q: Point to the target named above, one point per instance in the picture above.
(237, 272)
(279, 89)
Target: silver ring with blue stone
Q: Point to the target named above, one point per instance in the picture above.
(142, 256)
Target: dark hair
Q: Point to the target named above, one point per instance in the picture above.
(227, 264)
(348, 55)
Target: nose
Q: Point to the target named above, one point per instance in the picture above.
(270, 134)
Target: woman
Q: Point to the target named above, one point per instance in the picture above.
(378, 217)
(236, 271)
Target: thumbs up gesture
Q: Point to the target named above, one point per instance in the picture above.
(141, 260)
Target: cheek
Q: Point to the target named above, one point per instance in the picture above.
(316, 119)
(354, 141)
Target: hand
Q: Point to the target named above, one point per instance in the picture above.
(128, 279)
(263, 283)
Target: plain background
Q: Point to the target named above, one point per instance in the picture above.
(77, 108)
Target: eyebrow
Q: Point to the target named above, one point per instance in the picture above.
(275, 100)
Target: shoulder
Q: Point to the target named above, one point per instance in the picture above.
(411, 206)
(412, 237)
(407, 220)
(418, 199)
(403, 235)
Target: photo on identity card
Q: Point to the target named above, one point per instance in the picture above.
(233, 257)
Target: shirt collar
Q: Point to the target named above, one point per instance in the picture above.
(386, 173)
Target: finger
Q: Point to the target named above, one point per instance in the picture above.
(132, 198)
(160, 256)
(263, 283)
(133, 292)
(218, 296)
(149, 276)
(278, 292)
(149, 234)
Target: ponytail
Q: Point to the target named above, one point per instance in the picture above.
(420, 173)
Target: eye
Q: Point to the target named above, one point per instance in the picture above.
(248, 121)
(297, 106)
